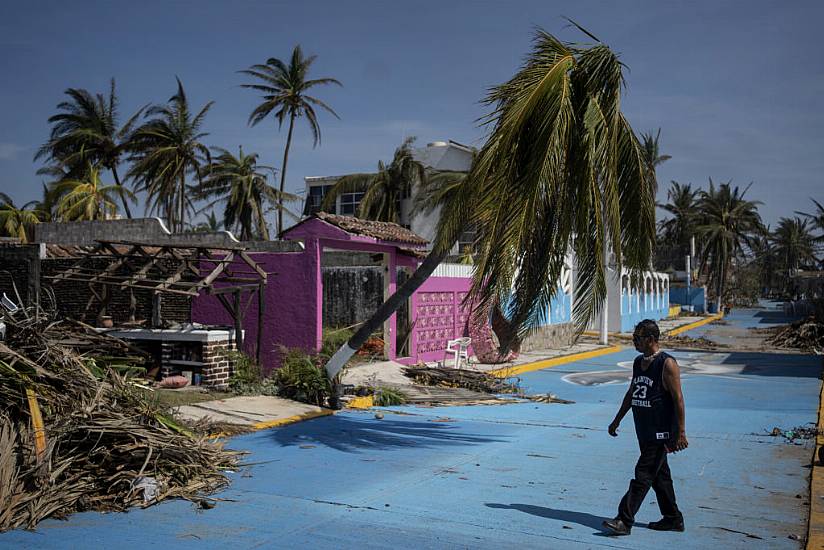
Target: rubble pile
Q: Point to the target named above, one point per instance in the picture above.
(806, 335)
(77, 434)
(459, 378)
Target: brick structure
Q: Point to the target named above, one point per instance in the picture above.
(203, 352)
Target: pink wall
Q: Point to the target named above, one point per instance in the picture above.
(291, 310)
(294, 298)
(438, 316)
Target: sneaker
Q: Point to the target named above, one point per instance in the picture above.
(667, 524)
(617, 526)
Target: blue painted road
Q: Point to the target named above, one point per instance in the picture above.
(528, 475)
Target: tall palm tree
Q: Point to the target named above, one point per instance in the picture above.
(728, 224)
(89, 198)
(382, 190)
(794, 245)
(165, 150)
(561, 169)
(682, 204)
(652, 153)
(87, 131)
(242, 185)
(18, 222)
(285, 96)
(816, 218)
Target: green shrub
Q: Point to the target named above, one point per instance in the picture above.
(388, 397)
(245, 370)
(334, 339)
(299, 378)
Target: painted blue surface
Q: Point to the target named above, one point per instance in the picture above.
(696, 297)
(528, 475)
(636, 308)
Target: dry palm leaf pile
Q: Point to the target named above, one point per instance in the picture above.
(806, 334)
(459, 378)
(76, 434)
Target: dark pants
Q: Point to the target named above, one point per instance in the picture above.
(653, 471)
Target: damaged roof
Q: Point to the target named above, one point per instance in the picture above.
(386, 231)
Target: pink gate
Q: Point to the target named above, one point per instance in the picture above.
(437, 317)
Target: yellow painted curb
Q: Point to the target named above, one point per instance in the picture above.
(696, 324)
(364, 402)
(292, 419)
(815, 525)
(674, 311)
(554, 362)
(276, 423)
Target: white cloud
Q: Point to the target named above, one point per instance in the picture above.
(9, 151)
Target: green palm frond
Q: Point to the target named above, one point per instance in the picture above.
(285, 93)
(561, 169)
(166, 150)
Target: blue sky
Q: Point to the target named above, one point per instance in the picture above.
(735, 86)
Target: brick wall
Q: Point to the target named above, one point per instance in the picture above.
(20, 269)
(73, 298)
(219, 367)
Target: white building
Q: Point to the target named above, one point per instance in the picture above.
(438, 155)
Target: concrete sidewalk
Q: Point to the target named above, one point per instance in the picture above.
(256, 412)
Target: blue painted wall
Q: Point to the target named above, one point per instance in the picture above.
(696, 297)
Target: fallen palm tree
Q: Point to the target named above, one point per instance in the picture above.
(75, 435)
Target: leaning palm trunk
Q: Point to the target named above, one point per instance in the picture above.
(384, 312)
(561, 169)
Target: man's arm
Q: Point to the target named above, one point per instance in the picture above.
(626, 405)
(672, 383)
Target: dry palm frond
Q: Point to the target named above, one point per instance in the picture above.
(103, 438)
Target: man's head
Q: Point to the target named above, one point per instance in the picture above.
(645, 336)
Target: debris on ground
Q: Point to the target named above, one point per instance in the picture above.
(459, 378)
(799, 432)
(806, 334)
(682, 341)
(548, 398)
(76, 433)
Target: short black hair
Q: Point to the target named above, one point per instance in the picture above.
(648, 327)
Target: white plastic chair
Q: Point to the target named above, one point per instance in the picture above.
(459, 348)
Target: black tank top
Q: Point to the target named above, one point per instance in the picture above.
(652, 406)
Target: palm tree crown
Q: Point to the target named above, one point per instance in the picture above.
(165, 149)
(727, 226)
(87, 131)
(88, 198)
(382, 190)
(241, 184)
(285, 90)
(794, 245)
(561, 168)
(18, 222)
(682, 201)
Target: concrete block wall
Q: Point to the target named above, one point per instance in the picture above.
(550, 337)
(147, 230)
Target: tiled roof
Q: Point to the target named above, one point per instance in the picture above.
(385, 231)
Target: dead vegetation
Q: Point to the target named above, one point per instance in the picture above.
(806, 335)
(460, 378)
(77, 434)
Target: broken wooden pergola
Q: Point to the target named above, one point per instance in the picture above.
(172, 269)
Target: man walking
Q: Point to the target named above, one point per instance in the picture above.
(657, 404)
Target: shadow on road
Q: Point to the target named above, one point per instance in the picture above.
(581, 518)
(348, 434)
